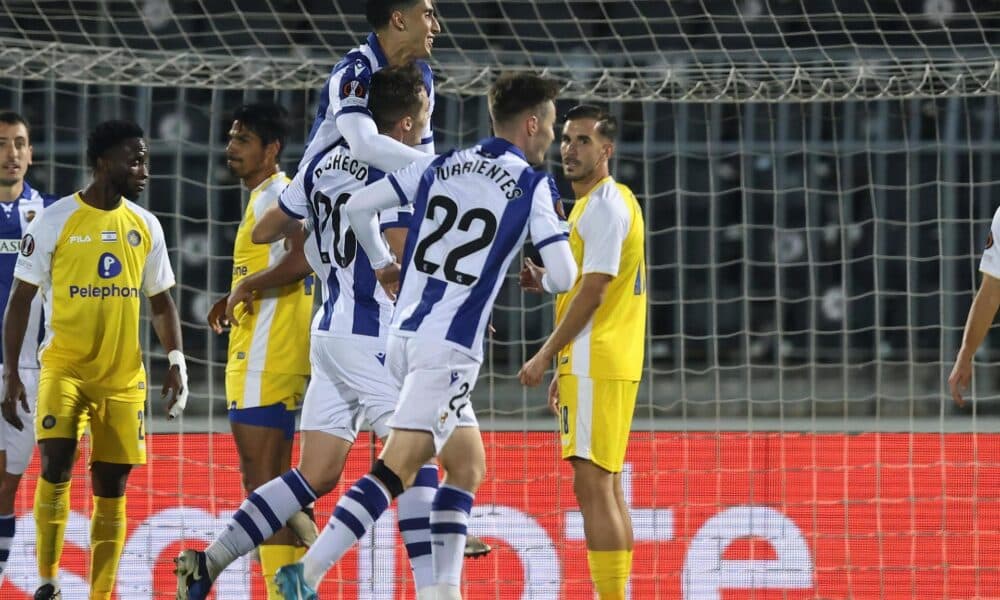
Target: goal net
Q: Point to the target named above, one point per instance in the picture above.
(817, 180)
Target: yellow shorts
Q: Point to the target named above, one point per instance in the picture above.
(595, 417)
(67, 406)
(251, 389)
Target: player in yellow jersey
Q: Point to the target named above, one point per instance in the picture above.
(268, 364)
(92, 255)
(598, 342)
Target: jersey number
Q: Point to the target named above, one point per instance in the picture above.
(332, 216)
(451, 272)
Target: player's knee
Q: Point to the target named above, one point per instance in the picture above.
(468, 474)
(322, 483)
(389, 479)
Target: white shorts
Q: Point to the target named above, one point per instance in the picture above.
(349, 382)
(436, 383)
(20, 444)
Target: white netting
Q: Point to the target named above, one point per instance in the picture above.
(689, 50)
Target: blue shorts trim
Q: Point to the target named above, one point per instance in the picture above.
(276, 416)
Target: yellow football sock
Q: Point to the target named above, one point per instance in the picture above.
(107, 539)
(609, 569)
(51, 514)
(272, 558)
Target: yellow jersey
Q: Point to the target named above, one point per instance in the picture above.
(607, 235)
(275, 338)
(90, 266)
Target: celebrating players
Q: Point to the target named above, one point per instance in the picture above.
(92, 254)
(21, 204)
(597, 342)
(472, 211)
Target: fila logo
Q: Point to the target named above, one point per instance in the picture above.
(79, 239)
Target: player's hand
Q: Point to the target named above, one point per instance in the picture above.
(531, 277)
(533, 370)
(217, 315)
(554, 395)
(175, 391)
(13, 393)
(958, 381)
(388, 278)
(241, 294)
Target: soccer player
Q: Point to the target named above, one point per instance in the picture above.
(984, 308)
(21, 204)
(597, 342)
(92, 254)
(402, 32)
(268, 363)
(350, 379)
(472, 211)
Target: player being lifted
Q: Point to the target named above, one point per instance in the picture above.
(598, 342)
(20, 204)
(268, 365)
(348, 341)
(402, 32)
(473, 210)
(91, 255)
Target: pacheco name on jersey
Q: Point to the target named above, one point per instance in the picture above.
(343, 161)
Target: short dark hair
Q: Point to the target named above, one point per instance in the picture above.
(607, 125)
(269, 121)
(14, 118)
(108, 135)
(395, 93)
(378, 12)
(513, 93)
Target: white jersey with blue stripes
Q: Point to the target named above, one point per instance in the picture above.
(353, 302)
(472, 211)
(347, 91)
(14, 219)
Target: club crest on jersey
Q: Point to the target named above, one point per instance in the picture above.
(27, 245)
(108, 266)
(133, 237)
(29, 216)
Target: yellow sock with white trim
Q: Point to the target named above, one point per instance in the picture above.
(272, 558)
(609, 569)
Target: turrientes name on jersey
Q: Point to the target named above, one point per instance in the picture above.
(344, 162)
(504, 180)
(103, 291)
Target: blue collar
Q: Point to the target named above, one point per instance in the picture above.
(372, 42)
(495, 147)
(25, 192)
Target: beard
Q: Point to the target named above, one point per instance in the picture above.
(9, 182)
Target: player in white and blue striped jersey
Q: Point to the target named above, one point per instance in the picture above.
(403, 32)
(473, 210)
(19, 205)
(349, 377)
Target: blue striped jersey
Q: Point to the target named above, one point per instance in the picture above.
(14, 219)
(346, 91)
(353, 302)
(472, 211)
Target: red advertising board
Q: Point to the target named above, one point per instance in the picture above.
(722, 516)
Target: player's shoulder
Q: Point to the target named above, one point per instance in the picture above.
(60, 209)
(144, 217)
(609, 200)
(272, 186)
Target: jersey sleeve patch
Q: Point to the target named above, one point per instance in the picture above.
(355, 85)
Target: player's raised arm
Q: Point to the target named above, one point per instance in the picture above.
(15, 322)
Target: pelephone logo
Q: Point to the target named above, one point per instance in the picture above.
(108, 266)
